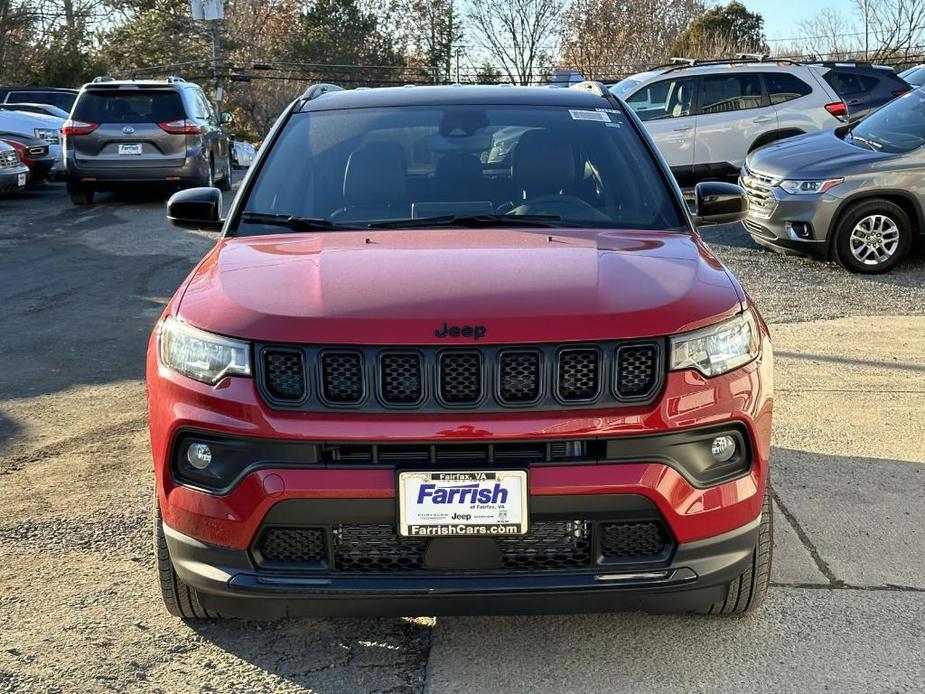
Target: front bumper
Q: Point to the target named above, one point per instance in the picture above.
(796, 224)
(9, 178)
(696, 576)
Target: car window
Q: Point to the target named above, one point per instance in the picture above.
(588, 167)
(868, 83)
(129, 106)
(783, 86)
(671, 98)
(915, 77)
(724, 93)
(845, 83)
(897, 127)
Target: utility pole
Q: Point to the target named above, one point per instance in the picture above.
(216, 70)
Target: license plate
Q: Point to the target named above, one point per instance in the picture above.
(129, 149)
(462, 503)
(21, 180)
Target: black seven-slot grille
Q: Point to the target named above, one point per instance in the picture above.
(490, 378)
(549, 545)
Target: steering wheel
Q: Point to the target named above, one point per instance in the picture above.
(565, 206)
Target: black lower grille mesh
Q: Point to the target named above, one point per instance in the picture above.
(636, 370)
(285, 374)
(293, 545)
(579, 374)
(640, 540)
(548, 546)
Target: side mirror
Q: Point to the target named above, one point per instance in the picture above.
(196, 208)
(719, 203)
(226, 117)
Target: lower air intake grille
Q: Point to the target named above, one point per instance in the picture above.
(284, 374)
(549, 545)
(342, 377)
(636, 370)
(579, 376)
(638, 540)
(293, 545)
(401, 376)
(376, 548)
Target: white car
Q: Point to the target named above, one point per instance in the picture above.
(40, 126)
(705, 117)
(242, 154)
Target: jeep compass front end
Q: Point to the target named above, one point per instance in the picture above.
(460, 350)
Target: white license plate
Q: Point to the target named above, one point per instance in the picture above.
(21, 180)
(129, 149)
(462, 503)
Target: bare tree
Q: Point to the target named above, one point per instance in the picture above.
(604, 39)
(826, 36)
(518, 35)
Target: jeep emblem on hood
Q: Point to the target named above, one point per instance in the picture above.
(473, 331)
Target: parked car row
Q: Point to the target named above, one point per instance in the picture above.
(830, 154)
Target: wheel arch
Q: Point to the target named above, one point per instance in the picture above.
(773, 136)
(902, 198)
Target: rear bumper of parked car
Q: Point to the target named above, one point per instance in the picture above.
(9, 178)
(108, 174)
(215, 537)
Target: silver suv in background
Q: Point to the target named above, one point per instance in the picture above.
(706, 116)
(856, 194)
(144, 132)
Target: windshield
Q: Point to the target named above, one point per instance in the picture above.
(897, 127)
(915, 76)
(547, 166)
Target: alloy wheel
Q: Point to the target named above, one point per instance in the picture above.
(874, 239)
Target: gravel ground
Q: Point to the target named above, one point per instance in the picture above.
(789, 289)
(79, 608)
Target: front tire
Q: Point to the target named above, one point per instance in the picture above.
(180, 599)
(872, 237)
(747, 592)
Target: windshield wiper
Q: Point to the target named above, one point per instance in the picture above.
(873, 146)
(472, 221)
(294, 223)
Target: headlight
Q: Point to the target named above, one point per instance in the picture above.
(719, 348)
(47, 134)
(200, 355)
(810, 187)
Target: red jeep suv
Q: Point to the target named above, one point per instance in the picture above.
(460, 350)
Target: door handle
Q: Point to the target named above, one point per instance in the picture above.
(761, 119)
(683, 128)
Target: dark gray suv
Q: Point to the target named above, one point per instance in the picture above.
(144, 132)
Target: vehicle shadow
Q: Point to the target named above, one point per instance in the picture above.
(346, 655)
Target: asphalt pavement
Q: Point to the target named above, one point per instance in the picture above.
(79, 608)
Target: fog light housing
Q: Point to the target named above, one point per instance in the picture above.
(723, 448)
(199, 455)
(799, 230)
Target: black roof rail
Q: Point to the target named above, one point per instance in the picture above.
(319, 88)
(746, 60)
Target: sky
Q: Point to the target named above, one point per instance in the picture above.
(782, 17)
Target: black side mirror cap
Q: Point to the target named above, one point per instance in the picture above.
(196, 208)
(716, 202)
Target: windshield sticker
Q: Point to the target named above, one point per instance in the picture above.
(590, 115)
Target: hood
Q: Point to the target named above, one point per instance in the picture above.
(816, 155)
(401, 287)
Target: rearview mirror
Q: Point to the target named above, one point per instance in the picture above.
(226, 117)
(719, 203)
(196, 208)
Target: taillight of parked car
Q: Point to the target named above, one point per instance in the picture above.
(839, 109)
(184, 126)
(77, 127)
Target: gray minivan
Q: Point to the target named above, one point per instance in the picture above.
(134, 132)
